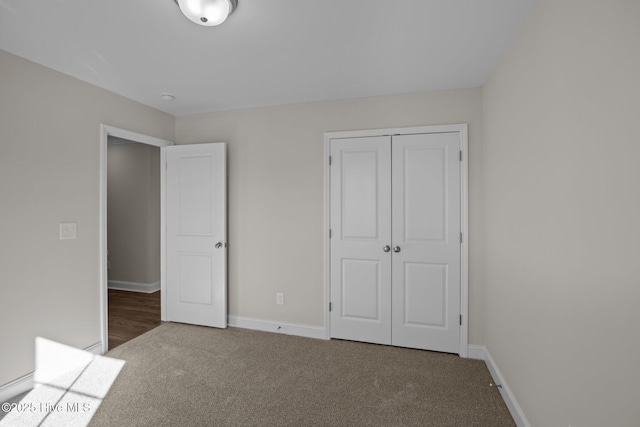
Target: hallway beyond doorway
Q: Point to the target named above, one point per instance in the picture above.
(131, 314)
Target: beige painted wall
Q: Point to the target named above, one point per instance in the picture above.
(562, 187)
(49, 173)
(276, 205)
(133, 213)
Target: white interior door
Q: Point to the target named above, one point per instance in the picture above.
(360, 229)
(395, 242)
(196, 237)
(426, 234)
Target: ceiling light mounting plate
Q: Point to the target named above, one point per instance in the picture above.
(207, 12)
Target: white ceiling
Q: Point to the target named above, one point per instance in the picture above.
(269, 52)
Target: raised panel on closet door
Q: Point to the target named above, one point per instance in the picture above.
(426, 231)
(360, 218)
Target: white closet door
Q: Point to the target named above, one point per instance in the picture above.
(426, 234)
(197, 234)
(360, 227)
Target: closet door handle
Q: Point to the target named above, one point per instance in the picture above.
(396, 249)
(386, 248)
(218, 245)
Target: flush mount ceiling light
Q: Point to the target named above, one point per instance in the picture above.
(207, 12)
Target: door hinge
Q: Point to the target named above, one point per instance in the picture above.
(461, 320)
(460, 238)
(460, 155)
(329, 233)
(329, 160)
(329, 306)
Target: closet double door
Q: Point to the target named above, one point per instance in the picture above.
(395, 240)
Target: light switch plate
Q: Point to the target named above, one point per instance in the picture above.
(68, 230)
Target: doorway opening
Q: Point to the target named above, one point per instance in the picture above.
(133, 239)
(132, 184)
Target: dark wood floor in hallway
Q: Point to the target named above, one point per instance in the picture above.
(131, 314)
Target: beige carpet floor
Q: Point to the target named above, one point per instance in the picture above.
(182, 375)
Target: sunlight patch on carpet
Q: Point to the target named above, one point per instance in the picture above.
(69, 385)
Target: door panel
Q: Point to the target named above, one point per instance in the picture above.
(195, 190)
(195, 272)
(360, 191)
(425, 294)
(426, 228)
(360, 218)
(196, 221)
(424, 193)
(361, 299)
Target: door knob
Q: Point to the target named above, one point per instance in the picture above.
(218, 245)
(386, 248)
(396, 249)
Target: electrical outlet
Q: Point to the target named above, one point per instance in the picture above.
(279, 298)
(68, 230)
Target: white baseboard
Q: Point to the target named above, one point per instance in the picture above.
(16, 387)
(476, 352)
(95, 349)
(278, 327)
(146, 288)
(505, 391)
(25, 383)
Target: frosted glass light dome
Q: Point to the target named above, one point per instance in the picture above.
(207, 12)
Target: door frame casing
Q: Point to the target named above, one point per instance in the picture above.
(105, 132)
(462, 129)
